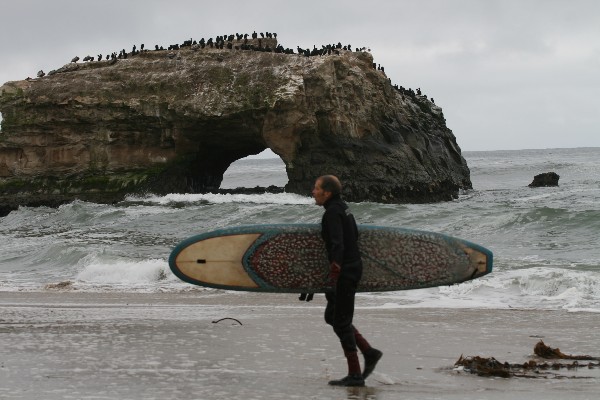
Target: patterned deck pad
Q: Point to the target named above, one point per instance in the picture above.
(295, 258)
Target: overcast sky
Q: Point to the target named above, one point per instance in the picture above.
(508, 74)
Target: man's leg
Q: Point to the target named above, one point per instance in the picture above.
(342, 325)
(372, 356)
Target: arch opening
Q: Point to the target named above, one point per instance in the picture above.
(262, 170)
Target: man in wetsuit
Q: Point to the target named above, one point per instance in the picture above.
(340, 234)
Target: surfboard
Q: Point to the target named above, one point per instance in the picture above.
(291, 258)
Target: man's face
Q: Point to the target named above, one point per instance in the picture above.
(319, 194)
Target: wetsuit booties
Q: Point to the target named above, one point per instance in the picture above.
(372, 356)
(354, 377)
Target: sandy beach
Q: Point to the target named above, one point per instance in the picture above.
(70, 345)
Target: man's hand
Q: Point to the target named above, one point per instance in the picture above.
(334, 272)
(306, 296)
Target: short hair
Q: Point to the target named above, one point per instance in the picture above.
(330, 183)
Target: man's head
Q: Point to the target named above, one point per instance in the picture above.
(326, 187)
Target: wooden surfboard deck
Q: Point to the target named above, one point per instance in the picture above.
(292, 259)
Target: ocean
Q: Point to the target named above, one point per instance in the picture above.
(545, 240)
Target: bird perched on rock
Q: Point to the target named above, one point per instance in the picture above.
(75, 59)
(41, 73)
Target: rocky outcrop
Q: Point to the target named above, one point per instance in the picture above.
(545, 179)
(173, 121)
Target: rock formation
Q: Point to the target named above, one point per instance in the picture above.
(173, 121)
(545, 179)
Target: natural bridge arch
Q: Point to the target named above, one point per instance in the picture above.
(173, 122)
(262, 170)
(199, 153)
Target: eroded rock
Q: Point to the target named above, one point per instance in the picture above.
(545, 179)
(154, 123)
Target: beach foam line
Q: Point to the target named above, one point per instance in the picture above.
(96, 270)
(265, 198)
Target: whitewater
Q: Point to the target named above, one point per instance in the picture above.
(545, 240)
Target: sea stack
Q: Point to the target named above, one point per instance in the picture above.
(545, 179)
(161, 124)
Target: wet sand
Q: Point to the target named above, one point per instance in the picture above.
(71, 345)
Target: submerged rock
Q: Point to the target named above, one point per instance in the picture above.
(545, 179)
(154, 123)
(249, 190)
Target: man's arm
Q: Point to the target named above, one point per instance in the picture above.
(335, 229)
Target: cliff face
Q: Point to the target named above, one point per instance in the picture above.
(173, 121)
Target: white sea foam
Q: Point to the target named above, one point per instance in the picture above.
(266, 198)
(125, 274)
(530, 288)
(544, 240)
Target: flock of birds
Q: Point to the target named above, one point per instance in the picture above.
(237, 41)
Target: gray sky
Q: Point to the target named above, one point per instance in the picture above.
(509, 74)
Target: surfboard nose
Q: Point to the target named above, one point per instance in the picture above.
(480, 261)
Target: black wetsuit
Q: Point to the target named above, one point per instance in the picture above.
(340, 234)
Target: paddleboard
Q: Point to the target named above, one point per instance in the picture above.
(291, 258)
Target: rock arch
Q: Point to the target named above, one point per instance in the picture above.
(162, 124)
(245, 175)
